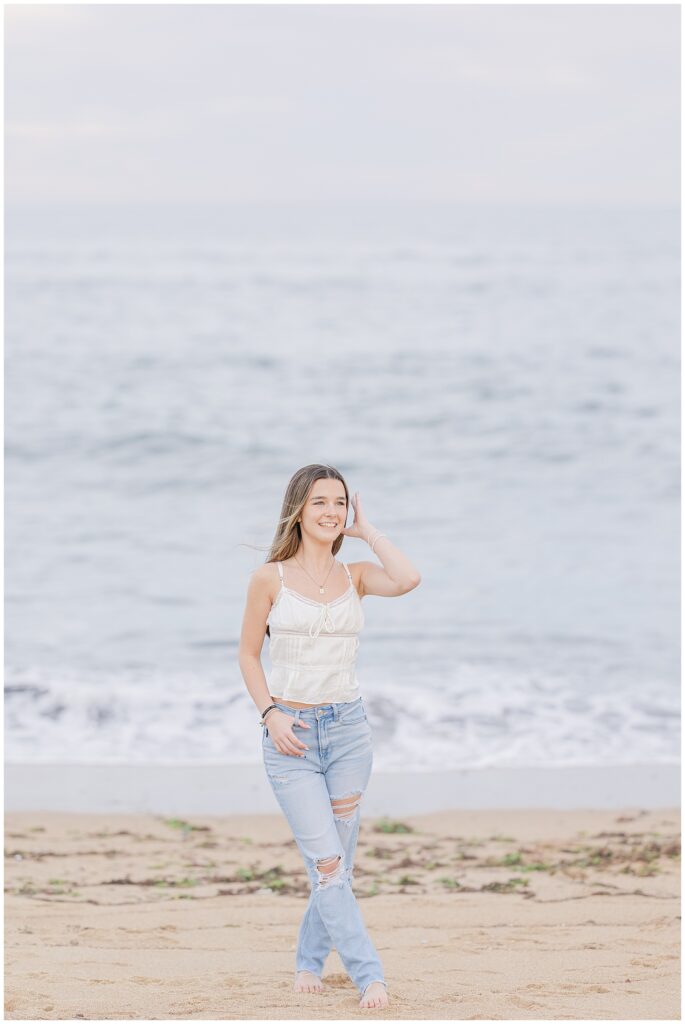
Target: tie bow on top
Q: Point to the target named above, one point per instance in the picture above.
(324, 622)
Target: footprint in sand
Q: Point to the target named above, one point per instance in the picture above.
(526, 1004)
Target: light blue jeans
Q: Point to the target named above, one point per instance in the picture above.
(336, 765)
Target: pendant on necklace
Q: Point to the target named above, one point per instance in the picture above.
(321, 590)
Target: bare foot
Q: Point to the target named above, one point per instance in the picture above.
(375, 994)
(305, 981)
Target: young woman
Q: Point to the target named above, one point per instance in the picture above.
(309, 604)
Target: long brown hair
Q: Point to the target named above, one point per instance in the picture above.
(288, 531)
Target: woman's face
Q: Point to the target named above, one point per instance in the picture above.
(325, 504)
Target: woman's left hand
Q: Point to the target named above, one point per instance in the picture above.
(361, 527)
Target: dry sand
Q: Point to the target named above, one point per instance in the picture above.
(476, 915)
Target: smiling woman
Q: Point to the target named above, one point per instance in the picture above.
(313, 645)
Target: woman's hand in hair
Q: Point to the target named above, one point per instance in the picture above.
(280, 726)
(361, 527)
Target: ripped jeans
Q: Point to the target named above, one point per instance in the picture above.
(320, 795)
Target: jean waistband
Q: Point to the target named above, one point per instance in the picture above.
(319, 710)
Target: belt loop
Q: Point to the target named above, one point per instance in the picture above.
(297, 713)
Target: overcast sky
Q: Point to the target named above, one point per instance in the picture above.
(453, 102)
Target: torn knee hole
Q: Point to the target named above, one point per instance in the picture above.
(328, 864)
(345, 807)
(329, 869)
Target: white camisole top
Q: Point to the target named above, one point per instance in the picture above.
(313, 646)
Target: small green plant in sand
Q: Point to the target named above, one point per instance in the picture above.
(387, 825)
(450, 883)
(644, 870)
(509, 859)
(509, 886)
(515, 859)
(184, 826)
(271, 880)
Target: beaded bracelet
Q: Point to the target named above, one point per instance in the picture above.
(266, 711)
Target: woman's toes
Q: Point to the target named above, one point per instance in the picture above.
(305, 981)
(375, 996)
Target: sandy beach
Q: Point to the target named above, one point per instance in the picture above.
(561, 914)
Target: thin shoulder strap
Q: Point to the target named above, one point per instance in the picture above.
(280, 570)
(348, 572)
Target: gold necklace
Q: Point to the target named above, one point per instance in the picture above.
(319, 585)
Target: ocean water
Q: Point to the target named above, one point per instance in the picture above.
(500, 384)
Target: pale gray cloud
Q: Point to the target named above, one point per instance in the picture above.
(241, 102)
